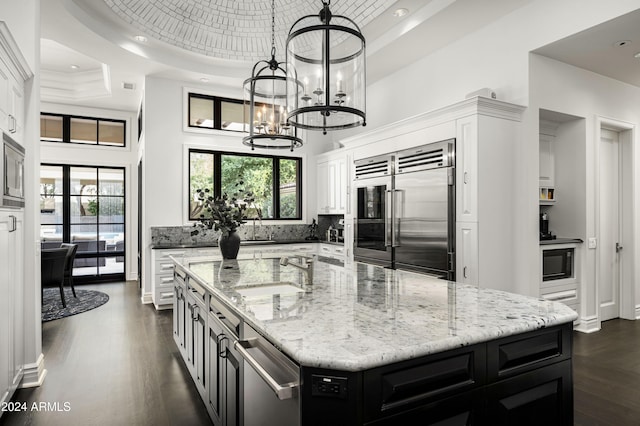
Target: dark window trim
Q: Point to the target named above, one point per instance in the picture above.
(66, 221)
(217, 110)
(217, 179)
(66, 129)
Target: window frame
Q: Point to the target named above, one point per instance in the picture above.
(67, 223)
(66, 129)
(217, 179)
(217, 112)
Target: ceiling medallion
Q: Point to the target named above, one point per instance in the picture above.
(265, 104)
(326, 59)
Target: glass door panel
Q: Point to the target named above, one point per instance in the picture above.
(370, 223)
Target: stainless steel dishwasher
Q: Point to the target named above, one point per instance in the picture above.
(271, 382)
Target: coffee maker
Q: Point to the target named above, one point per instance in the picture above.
(544, 228)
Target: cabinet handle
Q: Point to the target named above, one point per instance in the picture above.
(166, 266)
(222, 349)
(14, 223)
(195, 313)
(464, 178)
(464, 272)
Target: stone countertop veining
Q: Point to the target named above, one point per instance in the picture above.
(360, 316)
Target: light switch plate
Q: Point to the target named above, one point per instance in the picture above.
(592, 243)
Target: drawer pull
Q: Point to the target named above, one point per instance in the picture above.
(166, 295)
(166, 266)
(166, 280)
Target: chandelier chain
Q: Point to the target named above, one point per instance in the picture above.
(273, 28)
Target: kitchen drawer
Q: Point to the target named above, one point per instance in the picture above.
(524, 352)
(333, 251)
(163, 255)
(164, 296)
(164, 281)
(407, 385)
(165, 266)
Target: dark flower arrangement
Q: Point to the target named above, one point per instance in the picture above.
(226, 212)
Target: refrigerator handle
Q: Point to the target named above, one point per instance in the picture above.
(387, 218)
(396, 219)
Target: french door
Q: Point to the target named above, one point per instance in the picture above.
(85, 205)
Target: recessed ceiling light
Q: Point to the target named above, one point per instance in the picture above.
(204, 80)
(637, 55)
(140, 39)
(399, 13)
(74, 67)
(621, 43)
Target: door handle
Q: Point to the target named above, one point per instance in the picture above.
(387, 218)
(464, 272)
(396, 221)
(618, 247)
(14, 223)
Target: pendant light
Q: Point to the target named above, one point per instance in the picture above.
(265, 103)
(326, 59)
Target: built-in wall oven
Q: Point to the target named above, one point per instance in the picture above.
(12, 173)
(557, 264)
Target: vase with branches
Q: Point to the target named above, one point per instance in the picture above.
(224, 213)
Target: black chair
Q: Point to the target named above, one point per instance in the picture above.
(68, 265)
(52, 270)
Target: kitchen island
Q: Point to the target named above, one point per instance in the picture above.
(366, 345)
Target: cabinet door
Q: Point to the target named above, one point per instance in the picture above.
(16, 108)
(199, 349)
(215, 389)
(232, 388)
(467, 253)
(6, 344)
(322, 196)
(179, 316)
(17, 297)
(5, 88)
(547, 161)
(467, 169)
(341, 186)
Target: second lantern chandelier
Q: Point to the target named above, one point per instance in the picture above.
(265, 103)
(326, 72)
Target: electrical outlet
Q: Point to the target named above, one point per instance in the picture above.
(592, 243)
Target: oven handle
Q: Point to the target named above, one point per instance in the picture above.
(388, 208)
(282, 391)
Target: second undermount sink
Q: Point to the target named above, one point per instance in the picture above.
(282, 288)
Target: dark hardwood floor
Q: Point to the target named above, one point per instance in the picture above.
(118, 365)
(606, 375)
(114, 365)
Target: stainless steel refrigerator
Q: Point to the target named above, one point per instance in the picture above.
(406, 209)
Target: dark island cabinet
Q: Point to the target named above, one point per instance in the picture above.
(518, 380)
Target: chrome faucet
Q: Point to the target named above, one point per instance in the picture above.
(306, 265)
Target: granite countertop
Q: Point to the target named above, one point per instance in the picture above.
(561, 241)
(360, 316)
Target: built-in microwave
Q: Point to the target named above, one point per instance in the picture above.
(12, 173)
(557, 264)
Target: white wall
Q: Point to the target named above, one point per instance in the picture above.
(495, 56)
(92, 155)
(563, 88)
(164, 160)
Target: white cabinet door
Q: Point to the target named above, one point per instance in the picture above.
(322, 195)
(341, 185)
(467, 253)
(547, 161)
(16, 108)
(5, 88)
(467, 169)
(11, 303)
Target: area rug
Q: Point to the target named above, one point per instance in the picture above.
(87, 299)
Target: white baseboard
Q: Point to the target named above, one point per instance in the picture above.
(146, 298)
(34, 374)
(588, 325)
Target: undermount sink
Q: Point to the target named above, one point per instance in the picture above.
(282, 288)
(250, 242)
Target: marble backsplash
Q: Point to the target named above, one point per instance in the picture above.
(168, 236)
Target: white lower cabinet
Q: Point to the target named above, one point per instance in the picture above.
(331, 250)
(162, 289)
(467, 253)
(11, 302)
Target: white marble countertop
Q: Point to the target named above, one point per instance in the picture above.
(360, 316)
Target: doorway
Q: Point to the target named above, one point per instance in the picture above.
(616, 295)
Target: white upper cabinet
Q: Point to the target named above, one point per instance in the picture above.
(332, 185)
(14, 71)
(547, 161)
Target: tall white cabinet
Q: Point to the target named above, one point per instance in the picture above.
(14, 71)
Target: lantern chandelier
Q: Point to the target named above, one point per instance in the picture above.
(265, 103)
(325, 57)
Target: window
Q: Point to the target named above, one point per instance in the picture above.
(85, 206)
(274, 181)
(82, 130)
(212, 112)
